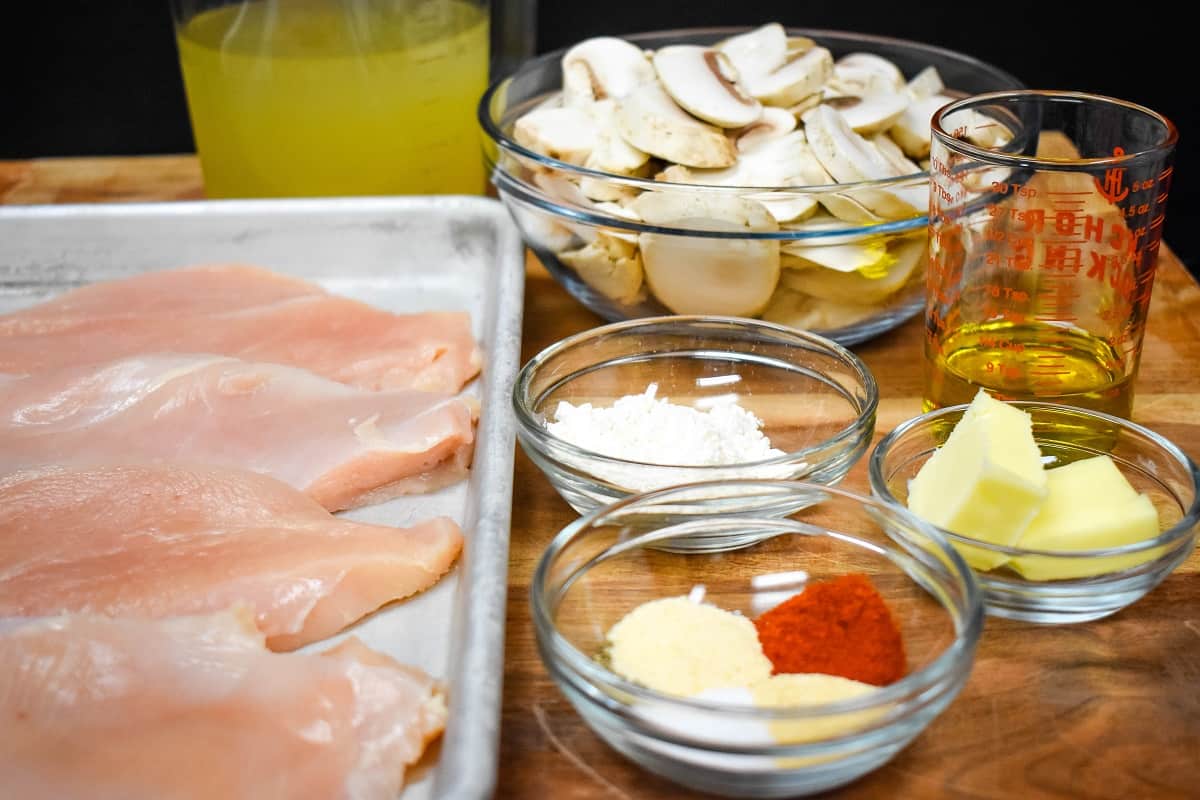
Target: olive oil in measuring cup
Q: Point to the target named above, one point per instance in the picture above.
(1043, 244)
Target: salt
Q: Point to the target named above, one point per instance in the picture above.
(652, 430)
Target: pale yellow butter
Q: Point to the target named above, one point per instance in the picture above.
(986, 482)
(1089, 506)
(681, 647)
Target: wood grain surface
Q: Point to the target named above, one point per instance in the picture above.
(1107, 710)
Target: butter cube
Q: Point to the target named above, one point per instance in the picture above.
(1089, 506)
(986, 482)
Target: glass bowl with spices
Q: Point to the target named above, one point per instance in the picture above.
(787, 667)
(1065, 514)
(645, 404)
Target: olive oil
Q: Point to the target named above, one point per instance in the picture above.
(322, 98)
(1014, 361)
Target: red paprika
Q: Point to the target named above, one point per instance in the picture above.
(838, 627)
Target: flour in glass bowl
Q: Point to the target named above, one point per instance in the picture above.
(646, 428)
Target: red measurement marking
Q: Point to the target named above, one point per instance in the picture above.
(1154, 223)
(1067, 193)
(1051, 372)
(1165, 172)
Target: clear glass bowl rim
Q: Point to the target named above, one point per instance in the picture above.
(913, 685)
(497, 136)
(534, 196)
(544, 439)
(1177, 531)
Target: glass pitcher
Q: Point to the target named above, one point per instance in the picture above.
(336, 97)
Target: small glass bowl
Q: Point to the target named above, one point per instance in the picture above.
(816, 399)
(1115, 577)
(560, 221)
(607, 563)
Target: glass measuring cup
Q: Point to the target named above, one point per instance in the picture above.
(335, 97)
(1046, 213)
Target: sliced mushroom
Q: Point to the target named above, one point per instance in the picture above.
(870, 113)
(848, 157)
(783, 161)
(692, 275)
(610, 265)
(867, 256)
(567, 134)
(926, 83)
(801, 311)
(542, 233)
(824, 223)
(757, 52)
(603, 67)
(651, 121)
(866, 73)
(703, 81)
(804, 106)
(855, 287)
(799, 76)
(624, 212)
(895, 156)
(846, 208)
(611, 153)
(774, 123)
(787, 208)
(911, 131)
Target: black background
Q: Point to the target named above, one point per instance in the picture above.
(92, 78)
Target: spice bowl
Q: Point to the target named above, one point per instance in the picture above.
(816, 401)
(1048, 586)
(610, 561)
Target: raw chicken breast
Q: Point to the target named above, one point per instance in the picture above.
(247, 312)
(196, 708)
(156, 541)
(343, 446)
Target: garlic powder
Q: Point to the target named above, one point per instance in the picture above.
(642, 427)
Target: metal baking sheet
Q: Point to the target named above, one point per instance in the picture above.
(400, 254)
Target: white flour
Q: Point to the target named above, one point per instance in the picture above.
(643, 427)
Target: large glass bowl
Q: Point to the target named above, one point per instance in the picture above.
(606, 564)
(1079, 585)
(556, 218)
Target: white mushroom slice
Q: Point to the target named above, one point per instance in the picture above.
(611, 153)
(649, 120)
(561, 189)
(610, 265)
(796, 45)
(804, 106)
(703, 81)
(784, 161)
(757, 52)
(847, 209)
(788, 208)
(848, 157)
(859, 256)
(691, 275)
(605, 190)
(624, 212)
(911, 131)
(774, 123)
(871, 113)
(798, 77)
(567, 134)
(871, 70)
(541, 232)
(855, 287)
(892, 152)
(797, 310)
(925, 83)
(603, 67)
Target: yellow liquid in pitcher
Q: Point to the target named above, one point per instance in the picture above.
(321, 98)
(1029, 362)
